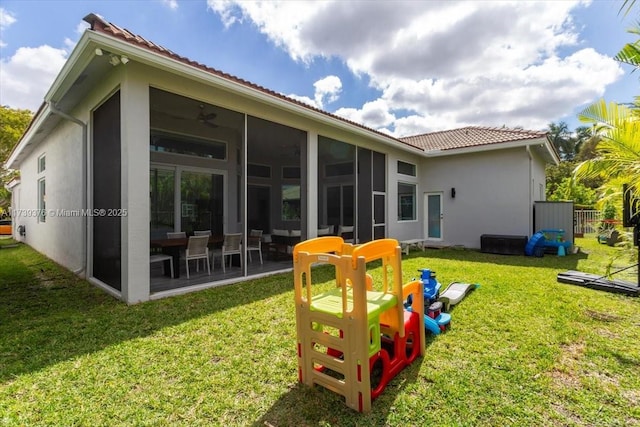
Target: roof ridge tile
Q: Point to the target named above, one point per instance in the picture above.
(99, 24)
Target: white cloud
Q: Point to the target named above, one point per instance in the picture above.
(327, 90)
(442, 63)
(374, 114)
(6, 19)
(82, 25)
(27, 75)
(172, 4)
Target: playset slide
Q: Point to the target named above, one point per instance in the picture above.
(455, 292)
(436, 318)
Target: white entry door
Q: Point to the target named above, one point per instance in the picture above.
(433, 216)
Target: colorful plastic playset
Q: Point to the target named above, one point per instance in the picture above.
(437, 319)
(355, 337)
(547, 240)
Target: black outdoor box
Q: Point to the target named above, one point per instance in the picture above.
(503, 245)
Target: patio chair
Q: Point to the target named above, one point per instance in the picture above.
(346, 232)
(254, 243)
(202, 232)
(325, 230)
(231, 245)
(196, 250)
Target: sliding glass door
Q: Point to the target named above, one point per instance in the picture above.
(201, 202)
(161, 186)
(198, 204)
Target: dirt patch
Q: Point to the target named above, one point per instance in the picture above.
(564, 379)
(565, 374)
(568, 415)
(607, 334)
(571, 352)
(603, 317)
(605, 380)
(633, 396)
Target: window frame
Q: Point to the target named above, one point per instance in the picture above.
(42, 163)
(413, 201)
(187, 139)
(412, 166)
(42, 199)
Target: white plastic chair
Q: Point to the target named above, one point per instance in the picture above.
(196, 250)
(254, 243)
(231, 245)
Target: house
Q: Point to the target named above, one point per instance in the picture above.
(133, 141)
(479, 180)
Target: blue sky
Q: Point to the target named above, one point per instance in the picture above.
(403, 67)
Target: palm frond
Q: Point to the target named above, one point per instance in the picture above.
(618, 152)
(628, 5)
(601, 114)
(630, 54)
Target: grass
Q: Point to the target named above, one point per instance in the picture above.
(522, 350)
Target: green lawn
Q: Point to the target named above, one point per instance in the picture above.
(522, 350)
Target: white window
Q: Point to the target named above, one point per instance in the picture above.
(405, 168)
(42, 164)
(42, 197)
(406, 201)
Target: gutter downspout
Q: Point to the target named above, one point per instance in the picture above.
(79, 122)
(531, 224)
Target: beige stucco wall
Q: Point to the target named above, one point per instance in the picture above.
(492, 194)
(59, 236)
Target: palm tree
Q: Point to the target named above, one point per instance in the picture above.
(630, 53)
(561, 139)
(618, 152)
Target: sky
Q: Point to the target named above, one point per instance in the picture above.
(400, 67)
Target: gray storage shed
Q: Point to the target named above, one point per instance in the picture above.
(554, 215)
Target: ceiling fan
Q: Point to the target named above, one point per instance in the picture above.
(206, 119)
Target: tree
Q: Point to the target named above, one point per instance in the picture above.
(618, 152)
(13, 124)
(570, 189)
(617, 159)
(574, 146)
(630, 53)
(568, 143)
(560, 138)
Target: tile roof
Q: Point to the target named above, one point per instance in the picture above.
(471, 136)
(100, 25)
